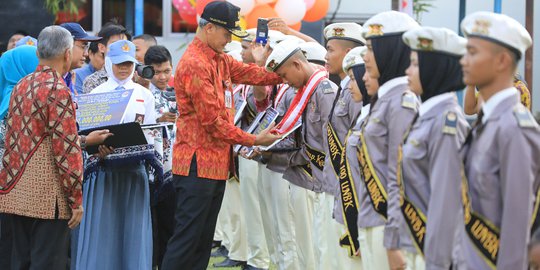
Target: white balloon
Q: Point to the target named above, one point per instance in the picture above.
(291, 11)
(246, 6)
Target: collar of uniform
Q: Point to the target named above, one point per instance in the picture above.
(363, 113)
(434, 101)
(490, 106)
(345, 82)
(387, 86)
(205, 49)
(154, 88)
(112, 84)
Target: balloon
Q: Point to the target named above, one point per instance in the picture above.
(201, 4)
(291, 11)
(309, 4)
(262, 11)
(186, 9)
(318, 11)
(297, 26)
(262, 2)
(246, 6)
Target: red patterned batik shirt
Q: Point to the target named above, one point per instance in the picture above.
(43, 162)
(205, 122)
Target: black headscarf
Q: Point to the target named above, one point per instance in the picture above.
(358, 72)
(392, 56)
(439, 73)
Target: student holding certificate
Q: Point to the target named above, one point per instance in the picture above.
(116, 232)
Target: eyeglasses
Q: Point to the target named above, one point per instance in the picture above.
(84, 47)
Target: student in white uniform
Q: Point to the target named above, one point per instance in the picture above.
(116, 231)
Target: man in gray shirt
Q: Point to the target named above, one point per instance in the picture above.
(501, 154)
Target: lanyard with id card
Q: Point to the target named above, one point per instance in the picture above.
(229, 103)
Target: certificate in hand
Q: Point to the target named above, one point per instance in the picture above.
(261, 122)
(104, 109)
(267, 148)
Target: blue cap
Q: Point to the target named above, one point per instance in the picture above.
(122, 51)
(28, 40)
(78, 32)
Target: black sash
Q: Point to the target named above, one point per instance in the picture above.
(374, 187)
(349, 200)
(413, 216)
(315, 156)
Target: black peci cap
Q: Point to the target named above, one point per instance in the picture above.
(225, 15)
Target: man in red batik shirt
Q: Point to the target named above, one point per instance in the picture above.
(202, 157)
(40, 185)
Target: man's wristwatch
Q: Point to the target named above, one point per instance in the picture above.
(82, 140)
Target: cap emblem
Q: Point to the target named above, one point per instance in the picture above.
(425, 44)
(125, 48)
(375, 30)
(339, 32)
(481, 27)
(30, 42)
(272, 64)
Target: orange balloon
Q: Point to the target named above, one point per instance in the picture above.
(297, 26)
(317, 12)
(262, 11)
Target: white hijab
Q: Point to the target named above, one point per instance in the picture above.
(110, 73)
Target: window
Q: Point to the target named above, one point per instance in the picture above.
(83, 16)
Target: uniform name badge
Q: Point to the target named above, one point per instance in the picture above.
(228, 99)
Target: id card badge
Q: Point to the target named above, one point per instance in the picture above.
(228, 99)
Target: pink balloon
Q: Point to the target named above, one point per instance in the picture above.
(186, 9)
(309, 4)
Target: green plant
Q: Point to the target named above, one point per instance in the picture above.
(421, 6)
(71, 7)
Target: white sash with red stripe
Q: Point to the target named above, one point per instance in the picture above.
(299, 103)
(281, 91)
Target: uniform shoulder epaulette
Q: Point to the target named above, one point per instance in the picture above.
(450, 123)
(326, 87)
(409, 100)
(524, 117)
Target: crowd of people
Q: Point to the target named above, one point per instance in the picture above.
(371, 163)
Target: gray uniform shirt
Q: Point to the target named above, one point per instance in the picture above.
(345, 113)
(390, 118)
(313, 131)
(431, 174)
(502, 166)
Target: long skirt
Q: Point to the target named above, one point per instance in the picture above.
(116, 230)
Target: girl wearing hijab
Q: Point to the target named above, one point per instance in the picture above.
(393, 108)
(116, 231)
(14, 65)
(431, 165)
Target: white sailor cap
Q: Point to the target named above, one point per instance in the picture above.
(236, 54)
(435, 39)
(388, 23)
(345, 31)
(313, 51)
(233, 46)
(252, 32)
(281, 53)
(497, 28)
(353, 58)
(275, 39)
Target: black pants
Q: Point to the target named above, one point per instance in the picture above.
(38, 243)
(162, 226)
(197, 208)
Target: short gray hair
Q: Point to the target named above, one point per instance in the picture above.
(203, 22)
(53, 41)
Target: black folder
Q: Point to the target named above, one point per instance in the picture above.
(128, 134)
